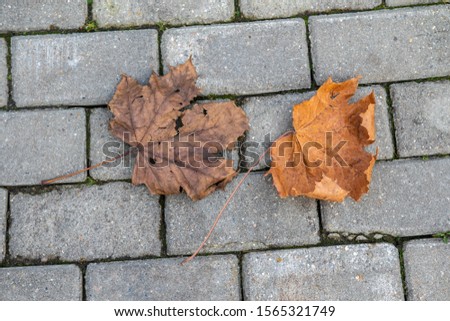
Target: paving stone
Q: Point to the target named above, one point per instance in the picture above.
(41, 283)
(3, 209)
(79, 69)
(119, 13)
(85, 223)
(39, 145)
(205, 278)
(103, 145)
(3, 74)
(27, 15)
(397, 3)
(406, 198)
(427, 269)
(244, 58)
(382, 45)
(256, 218)
(271, 116)
(348, 272)
(422, 118)
(267, 9)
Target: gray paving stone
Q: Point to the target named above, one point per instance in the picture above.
(41, 283)
(256, 218)
(79, 69)
(103, 145)
(244, 58)
(3, 209)
(39, 145)
(398, 3)
(271, 116)
(3, 74)
(205, 278)
(256, 9)
(427, 269)
(406, 198)
(422, 118)
(118, 13)
(382, 45)
(85, 223)
(28, 15)
(347, 272)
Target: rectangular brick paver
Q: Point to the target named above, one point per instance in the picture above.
(27, 15)
(257, 9)
(205, 278)
(382, 45)
(244, 58)
(85, 223)
(406, 198)
(3, 74)
(427, 269)
(271, 116)
(41, 283)
(256, 218)
(3, 209)
(118, 13)
(104, 145)
(422, 118)
(39, 145)
(79, 69)
(395, 3)
(347, 272)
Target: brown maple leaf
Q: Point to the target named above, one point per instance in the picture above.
(178, 149)
(325, 157)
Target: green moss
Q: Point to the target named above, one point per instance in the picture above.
(90, 181)
(402, 270)
(237, 12)
(162, 26)
(90, 26)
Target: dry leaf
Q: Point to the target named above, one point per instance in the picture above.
(171, 157)
(325, 157)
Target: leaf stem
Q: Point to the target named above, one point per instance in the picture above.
(190, 258)
(59, 178)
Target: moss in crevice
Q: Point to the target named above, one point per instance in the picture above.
(391, 120)
(162, 228)
(445, 236)
(10, 104)
(402, 270)
(310, 59)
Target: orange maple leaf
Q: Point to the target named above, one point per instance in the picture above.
(325, 157)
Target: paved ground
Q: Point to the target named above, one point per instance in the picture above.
(96, 237)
